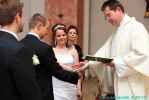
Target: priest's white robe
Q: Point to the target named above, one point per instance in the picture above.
(129, 47)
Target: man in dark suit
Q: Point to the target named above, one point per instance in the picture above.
(16, 71)
(46, 64)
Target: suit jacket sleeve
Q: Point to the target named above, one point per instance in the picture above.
(24, 77)
(57, 70)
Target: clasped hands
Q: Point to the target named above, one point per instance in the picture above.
(82, 66)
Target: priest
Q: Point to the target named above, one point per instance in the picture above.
(129, 48)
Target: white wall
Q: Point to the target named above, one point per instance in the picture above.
(137, 8)
(86, 26)
(31, 7)
(99, 30)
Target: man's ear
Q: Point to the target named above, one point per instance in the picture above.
(17, 18)
(39, 26)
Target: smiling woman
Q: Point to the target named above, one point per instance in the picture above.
(67, 57)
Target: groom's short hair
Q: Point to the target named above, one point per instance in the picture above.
(35, 19)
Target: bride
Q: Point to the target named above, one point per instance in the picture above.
(67, 58)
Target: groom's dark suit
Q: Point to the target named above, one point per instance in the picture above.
(16, 71)
(48, 66)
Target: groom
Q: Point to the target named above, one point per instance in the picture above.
(46, 64)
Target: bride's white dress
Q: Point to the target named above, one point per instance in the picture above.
(63, 90)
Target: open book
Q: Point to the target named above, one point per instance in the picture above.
(100, 59)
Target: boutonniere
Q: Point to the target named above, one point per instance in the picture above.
(35, 60)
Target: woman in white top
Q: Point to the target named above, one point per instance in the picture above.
(67, 58)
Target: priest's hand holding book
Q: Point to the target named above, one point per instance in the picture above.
(106, 61)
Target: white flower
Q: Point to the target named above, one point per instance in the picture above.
(35, 60)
